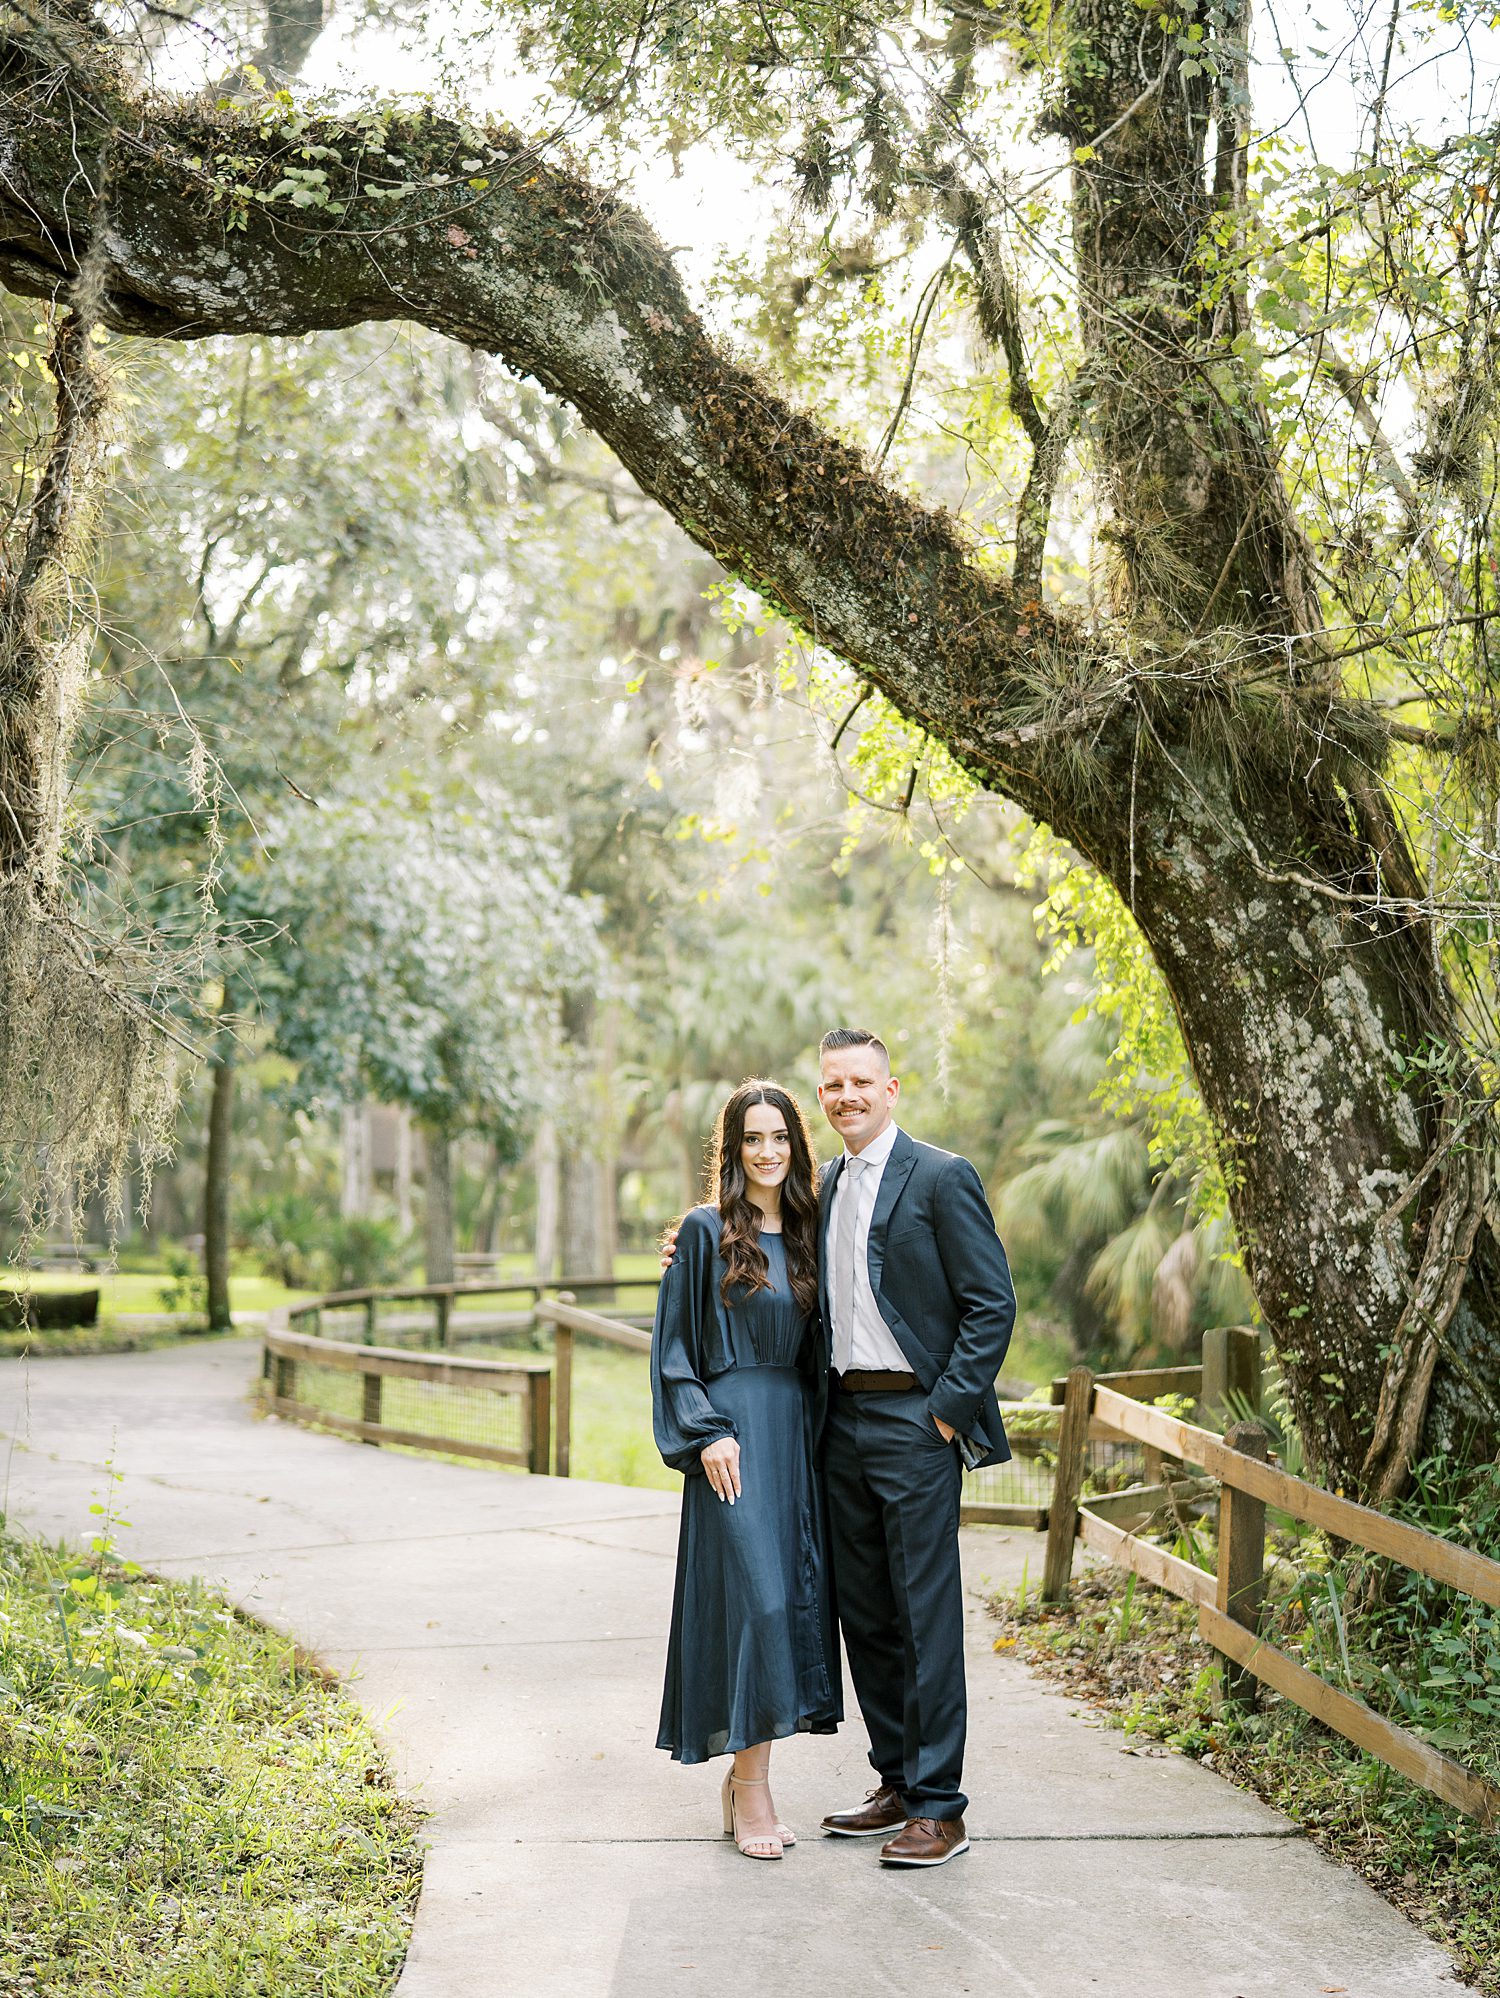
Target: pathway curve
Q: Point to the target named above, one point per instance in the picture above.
(505, 1634)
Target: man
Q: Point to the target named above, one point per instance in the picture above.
(917, 1313)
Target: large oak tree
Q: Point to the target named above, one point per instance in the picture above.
(1197, 733)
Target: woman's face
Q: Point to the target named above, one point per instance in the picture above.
(766, 1148)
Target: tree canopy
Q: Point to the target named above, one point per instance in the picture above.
(1135, 454)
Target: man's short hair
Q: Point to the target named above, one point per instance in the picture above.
(854, 1037)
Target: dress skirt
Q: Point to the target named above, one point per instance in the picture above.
(753, 1626)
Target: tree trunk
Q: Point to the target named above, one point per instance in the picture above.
(292, 26)
(402, 1174)
(588, 1172)
(491, 1204)
(216, 1181)
(1261, 860)
(355, 1180)
(1293, 1008)
(587, 1215)
(1226, 788)
(547, 1167)
(438, 1218)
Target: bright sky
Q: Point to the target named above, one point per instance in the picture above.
(1314, 71)
(1314, 65)
(1316, 68)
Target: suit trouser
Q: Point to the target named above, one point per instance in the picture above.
(893, 1493)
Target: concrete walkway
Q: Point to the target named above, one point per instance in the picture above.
(505, 1633)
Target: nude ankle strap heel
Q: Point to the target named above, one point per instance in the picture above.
(784, 1832)
(751, 1846)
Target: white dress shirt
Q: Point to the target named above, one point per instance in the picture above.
(861, 1338)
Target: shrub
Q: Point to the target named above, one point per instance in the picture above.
(297, 1241)
(186, 1288)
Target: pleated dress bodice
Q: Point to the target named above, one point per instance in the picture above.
(767, 1328)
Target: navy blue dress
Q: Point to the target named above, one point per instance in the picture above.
(753, 1653)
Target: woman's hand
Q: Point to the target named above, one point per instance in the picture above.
(721, 1465)
(668, 1249)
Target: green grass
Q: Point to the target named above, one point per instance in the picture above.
(138, 1290)
(108, 1336)
(123, 1295)
(141, 1290)
(186, 1809)
(612, 1437)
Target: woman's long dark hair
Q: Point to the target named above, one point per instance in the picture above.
(746, 1269)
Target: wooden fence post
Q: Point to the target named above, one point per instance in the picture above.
(1242, 1558)
(562, 1351)
(370, 1404)
(1062, 1517)
(286, 1378)
(444, 1320)
(539, 1423)
(369, 1321)
(1231, 1366)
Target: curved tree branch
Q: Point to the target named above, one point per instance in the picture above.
(504, 252)
(1261, 861)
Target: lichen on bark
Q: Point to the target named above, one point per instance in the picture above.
(1194, 745)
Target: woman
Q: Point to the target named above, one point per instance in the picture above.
(738, 1388)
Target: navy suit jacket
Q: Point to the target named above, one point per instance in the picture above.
(941, 1281)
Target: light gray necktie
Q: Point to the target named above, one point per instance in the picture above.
(843, 1249)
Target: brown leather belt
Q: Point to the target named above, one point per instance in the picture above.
(866, 1382)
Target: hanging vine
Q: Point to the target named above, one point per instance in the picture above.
(88, 1072)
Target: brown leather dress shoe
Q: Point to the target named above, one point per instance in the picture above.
(880, 1813)
(926, 1842)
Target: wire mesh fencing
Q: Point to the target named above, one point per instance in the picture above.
(486, 1371)
(496, 1410)
(1020, 1491)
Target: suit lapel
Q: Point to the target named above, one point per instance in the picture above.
(828, 1181)
(897, 1169)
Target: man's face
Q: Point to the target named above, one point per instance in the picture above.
(858, 1094)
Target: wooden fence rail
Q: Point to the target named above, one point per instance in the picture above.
(1229, 1603)
(528, 1380)
(562, 1313)
(547, 1385)
(526, 1292)
(1411, 1546)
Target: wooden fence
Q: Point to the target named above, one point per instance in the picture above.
(444, 1296)
(545, 1407)
(563, 1314)
(1229, 1603)
(1088, 1410)
(530, 1381)
(568, 1320)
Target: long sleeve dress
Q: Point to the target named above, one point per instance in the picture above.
(753, 1651)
